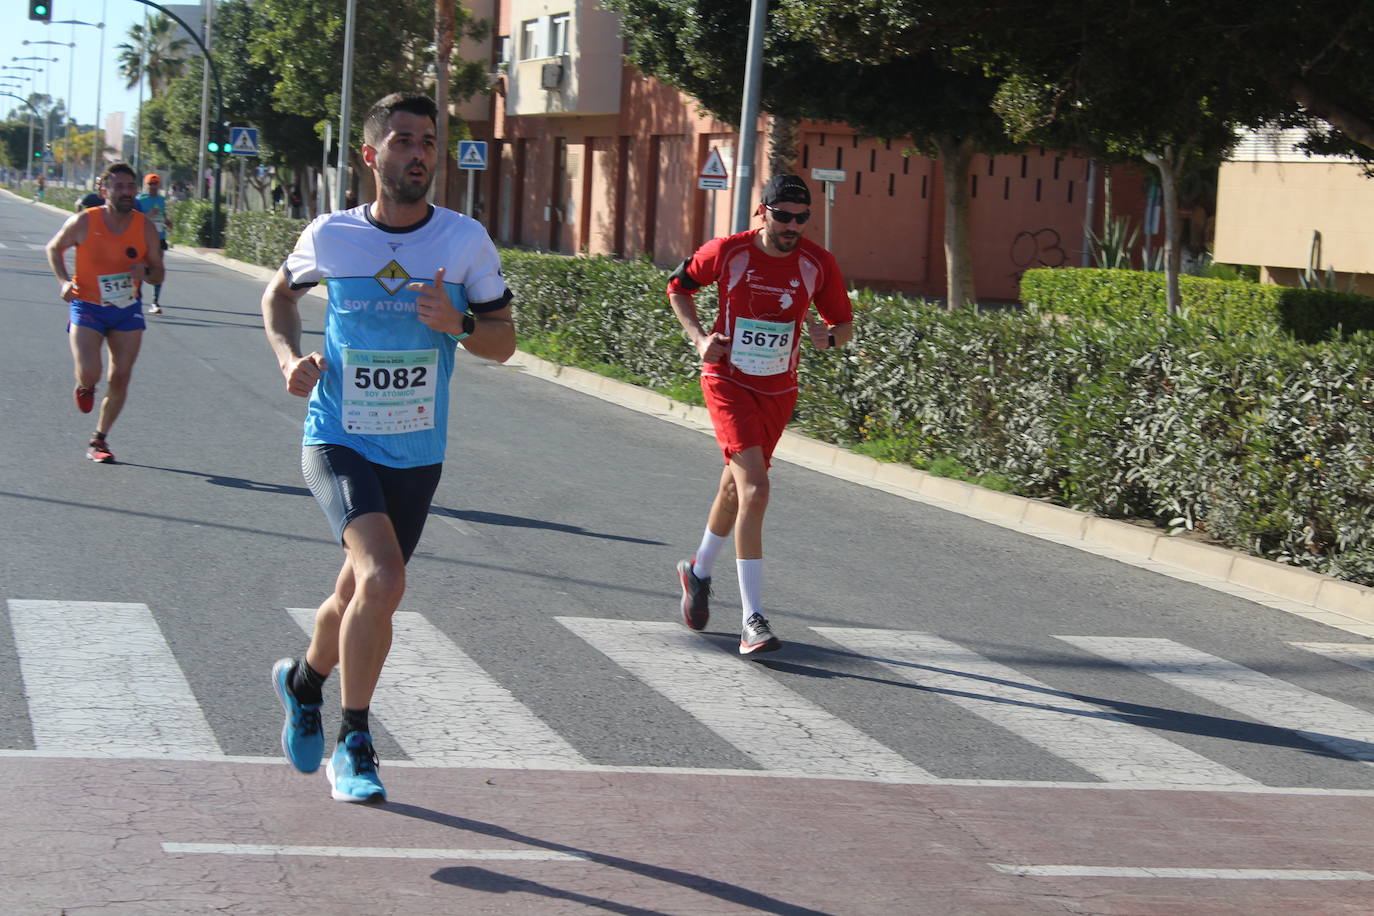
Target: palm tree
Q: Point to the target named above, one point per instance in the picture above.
(153, 51)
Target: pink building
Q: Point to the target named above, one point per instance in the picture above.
(587, 155)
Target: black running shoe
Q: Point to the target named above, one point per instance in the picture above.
(696, 596)
(757, 637)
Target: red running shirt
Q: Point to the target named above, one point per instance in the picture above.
(761, 295)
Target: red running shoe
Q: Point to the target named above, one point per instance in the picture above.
(85, 399)
(100, 452)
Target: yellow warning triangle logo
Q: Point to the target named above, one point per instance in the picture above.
(392, 277)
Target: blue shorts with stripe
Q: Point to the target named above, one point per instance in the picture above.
(106, 318)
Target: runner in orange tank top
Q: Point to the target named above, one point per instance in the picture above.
(117, 249)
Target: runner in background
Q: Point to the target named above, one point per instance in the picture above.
(116, 251)
(767, 280)
(154, 206)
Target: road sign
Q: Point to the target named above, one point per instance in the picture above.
(836, 176)
(243, 141)
(48, 156)
(472, 154)
(714, 176)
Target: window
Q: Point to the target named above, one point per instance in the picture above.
(529, 40)
(504, 57)
(558, 34)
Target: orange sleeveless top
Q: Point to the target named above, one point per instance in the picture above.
(104, 259)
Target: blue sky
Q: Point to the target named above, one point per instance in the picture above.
(86, 66)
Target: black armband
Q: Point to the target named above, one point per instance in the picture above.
(683, 278)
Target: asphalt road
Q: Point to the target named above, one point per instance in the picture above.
(1008, 669)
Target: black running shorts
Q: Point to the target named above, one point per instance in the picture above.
(347, 485)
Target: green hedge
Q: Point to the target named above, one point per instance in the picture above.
(261, 237)
(190, 223)
(1262, 442)
(1095, 293)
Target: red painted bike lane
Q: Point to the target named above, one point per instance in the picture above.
(165, 837)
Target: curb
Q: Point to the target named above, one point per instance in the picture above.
(1327, 600)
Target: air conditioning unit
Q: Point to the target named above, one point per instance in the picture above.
(551, 76)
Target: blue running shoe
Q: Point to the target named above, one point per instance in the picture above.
(352, 770)
(302, 736)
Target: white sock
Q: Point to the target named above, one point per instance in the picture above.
(711, 543)
(751, 586)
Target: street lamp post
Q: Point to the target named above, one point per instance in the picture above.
(99, 78)
(71, 55)
(36, 71)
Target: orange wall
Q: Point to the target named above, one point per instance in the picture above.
(627, 185)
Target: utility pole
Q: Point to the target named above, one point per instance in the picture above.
(749, 115)
(346, 107)
(204, 102)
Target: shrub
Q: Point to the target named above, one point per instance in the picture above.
(262, 238)
(1307, 314)
(1203, 421)
(191, 223)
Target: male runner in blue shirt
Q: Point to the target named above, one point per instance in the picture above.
(406, 281)
(153, 205)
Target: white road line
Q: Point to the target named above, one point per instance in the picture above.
(1316, 718)
(100, 678)
(374, 852)
(1224, 874)
(1085, 734)
(1356, 654)
(778, 728)
(444, 710)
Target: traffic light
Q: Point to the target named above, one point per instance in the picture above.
(213, 146)
(40, 10)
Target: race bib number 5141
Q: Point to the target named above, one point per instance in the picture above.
(388, 391)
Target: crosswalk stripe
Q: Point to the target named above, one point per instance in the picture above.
(100, 679)
(1083, 733)
(444, 710)
(1318, 719)
(1358, 655)
(774, 726)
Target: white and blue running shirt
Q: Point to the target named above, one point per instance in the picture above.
(385, 390)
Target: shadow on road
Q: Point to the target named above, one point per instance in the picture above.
(482, 879)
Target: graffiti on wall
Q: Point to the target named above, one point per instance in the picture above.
(1040, 248)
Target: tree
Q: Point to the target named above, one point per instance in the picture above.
(928, 95)
(153, 52)
(1146, 79)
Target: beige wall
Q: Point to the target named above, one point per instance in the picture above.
(1267, 212)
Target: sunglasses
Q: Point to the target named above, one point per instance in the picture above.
(783, 216)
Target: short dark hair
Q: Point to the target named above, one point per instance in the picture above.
(374, 126)
(116, 168)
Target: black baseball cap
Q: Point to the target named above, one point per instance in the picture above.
(786, 189)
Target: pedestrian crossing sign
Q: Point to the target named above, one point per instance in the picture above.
(243, 141)
(472, 154)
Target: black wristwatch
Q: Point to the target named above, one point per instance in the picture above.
(469, 325)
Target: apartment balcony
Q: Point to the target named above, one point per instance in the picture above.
(566, 59)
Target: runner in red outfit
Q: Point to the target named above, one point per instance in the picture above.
(767, 279)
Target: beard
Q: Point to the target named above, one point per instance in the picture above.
(403, 191)
(783, 242)
(123, 204)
